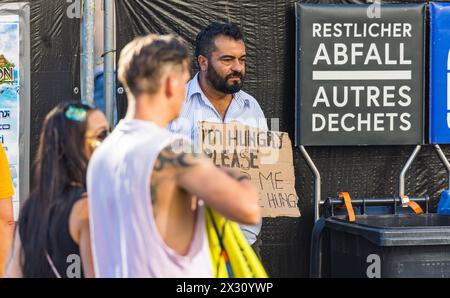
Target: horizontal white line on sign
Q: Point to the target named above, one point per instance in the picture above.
(362, 75)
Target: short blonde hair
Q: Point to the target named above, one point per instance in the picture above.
(145, 60)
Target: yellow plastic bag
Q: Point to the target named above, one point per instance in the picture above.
(231, 254)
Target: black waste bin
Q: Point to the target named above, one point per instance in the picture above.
(395, 245)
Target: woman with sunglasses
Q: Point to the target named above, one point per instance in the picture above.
(52, 238)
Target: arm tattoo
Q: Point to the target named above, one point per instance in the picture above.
(171, 158)
(168, 158)
(153, 187)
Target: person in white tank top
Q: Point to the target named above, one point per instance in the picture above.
(147, 189)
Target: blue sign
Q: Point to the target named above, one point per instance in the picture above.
(440, 73)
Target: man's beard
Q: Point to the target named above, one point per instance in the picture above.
(221, 84)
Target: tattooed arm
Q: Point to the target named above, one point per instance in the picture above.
(226, 191)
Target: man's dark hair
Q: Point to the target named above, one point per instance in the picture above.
(204, 43)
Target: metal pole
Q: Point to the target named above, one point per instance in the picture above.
(317, 182)
(109, 60)
(444, 161)
(405, 169)
(87, 63)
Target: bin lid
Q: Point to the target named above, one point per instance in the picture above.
(396, 229)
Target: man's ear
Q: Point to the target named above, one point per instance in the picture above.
(170, 85)
(202, 62)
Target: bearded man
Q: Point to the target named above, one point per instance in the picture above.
(214, 94)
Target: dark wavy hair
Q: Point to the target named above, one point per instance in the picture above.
(60, 163)
(204, 42)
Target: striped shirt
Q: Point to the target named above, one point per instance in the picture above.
(243, 108)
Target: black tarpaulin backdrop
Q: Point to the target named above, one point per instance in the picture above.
(269, 28)
(55, 48)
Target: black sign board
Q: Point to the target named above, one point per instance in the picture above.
(360, 74)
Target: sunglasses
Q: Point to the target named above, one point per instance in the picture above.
(102, 135)
(98, 139)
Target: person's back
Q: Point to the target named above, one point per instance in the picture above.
(60, 244)
(145, 219)
(123, 204)
(52, 236)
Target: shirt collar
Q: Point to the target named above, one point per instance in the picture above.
(194, 88)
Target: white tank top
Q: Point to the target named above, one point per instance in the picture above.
(124, 236)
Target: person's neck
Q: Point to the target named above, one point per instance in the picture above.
(147, 109)
(221, 101)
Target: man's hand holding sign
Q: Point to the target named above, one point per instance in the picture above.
(265, 157)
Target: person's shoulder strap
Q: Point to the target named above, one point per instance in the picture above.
(52, 265)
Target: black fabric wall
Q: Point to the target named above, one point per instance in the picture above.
(269, 27)
(55, 56)
(55, 61)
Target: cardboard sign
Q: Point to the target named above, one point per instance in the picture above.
(440, 73)
(360, 75)
(265, 156)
